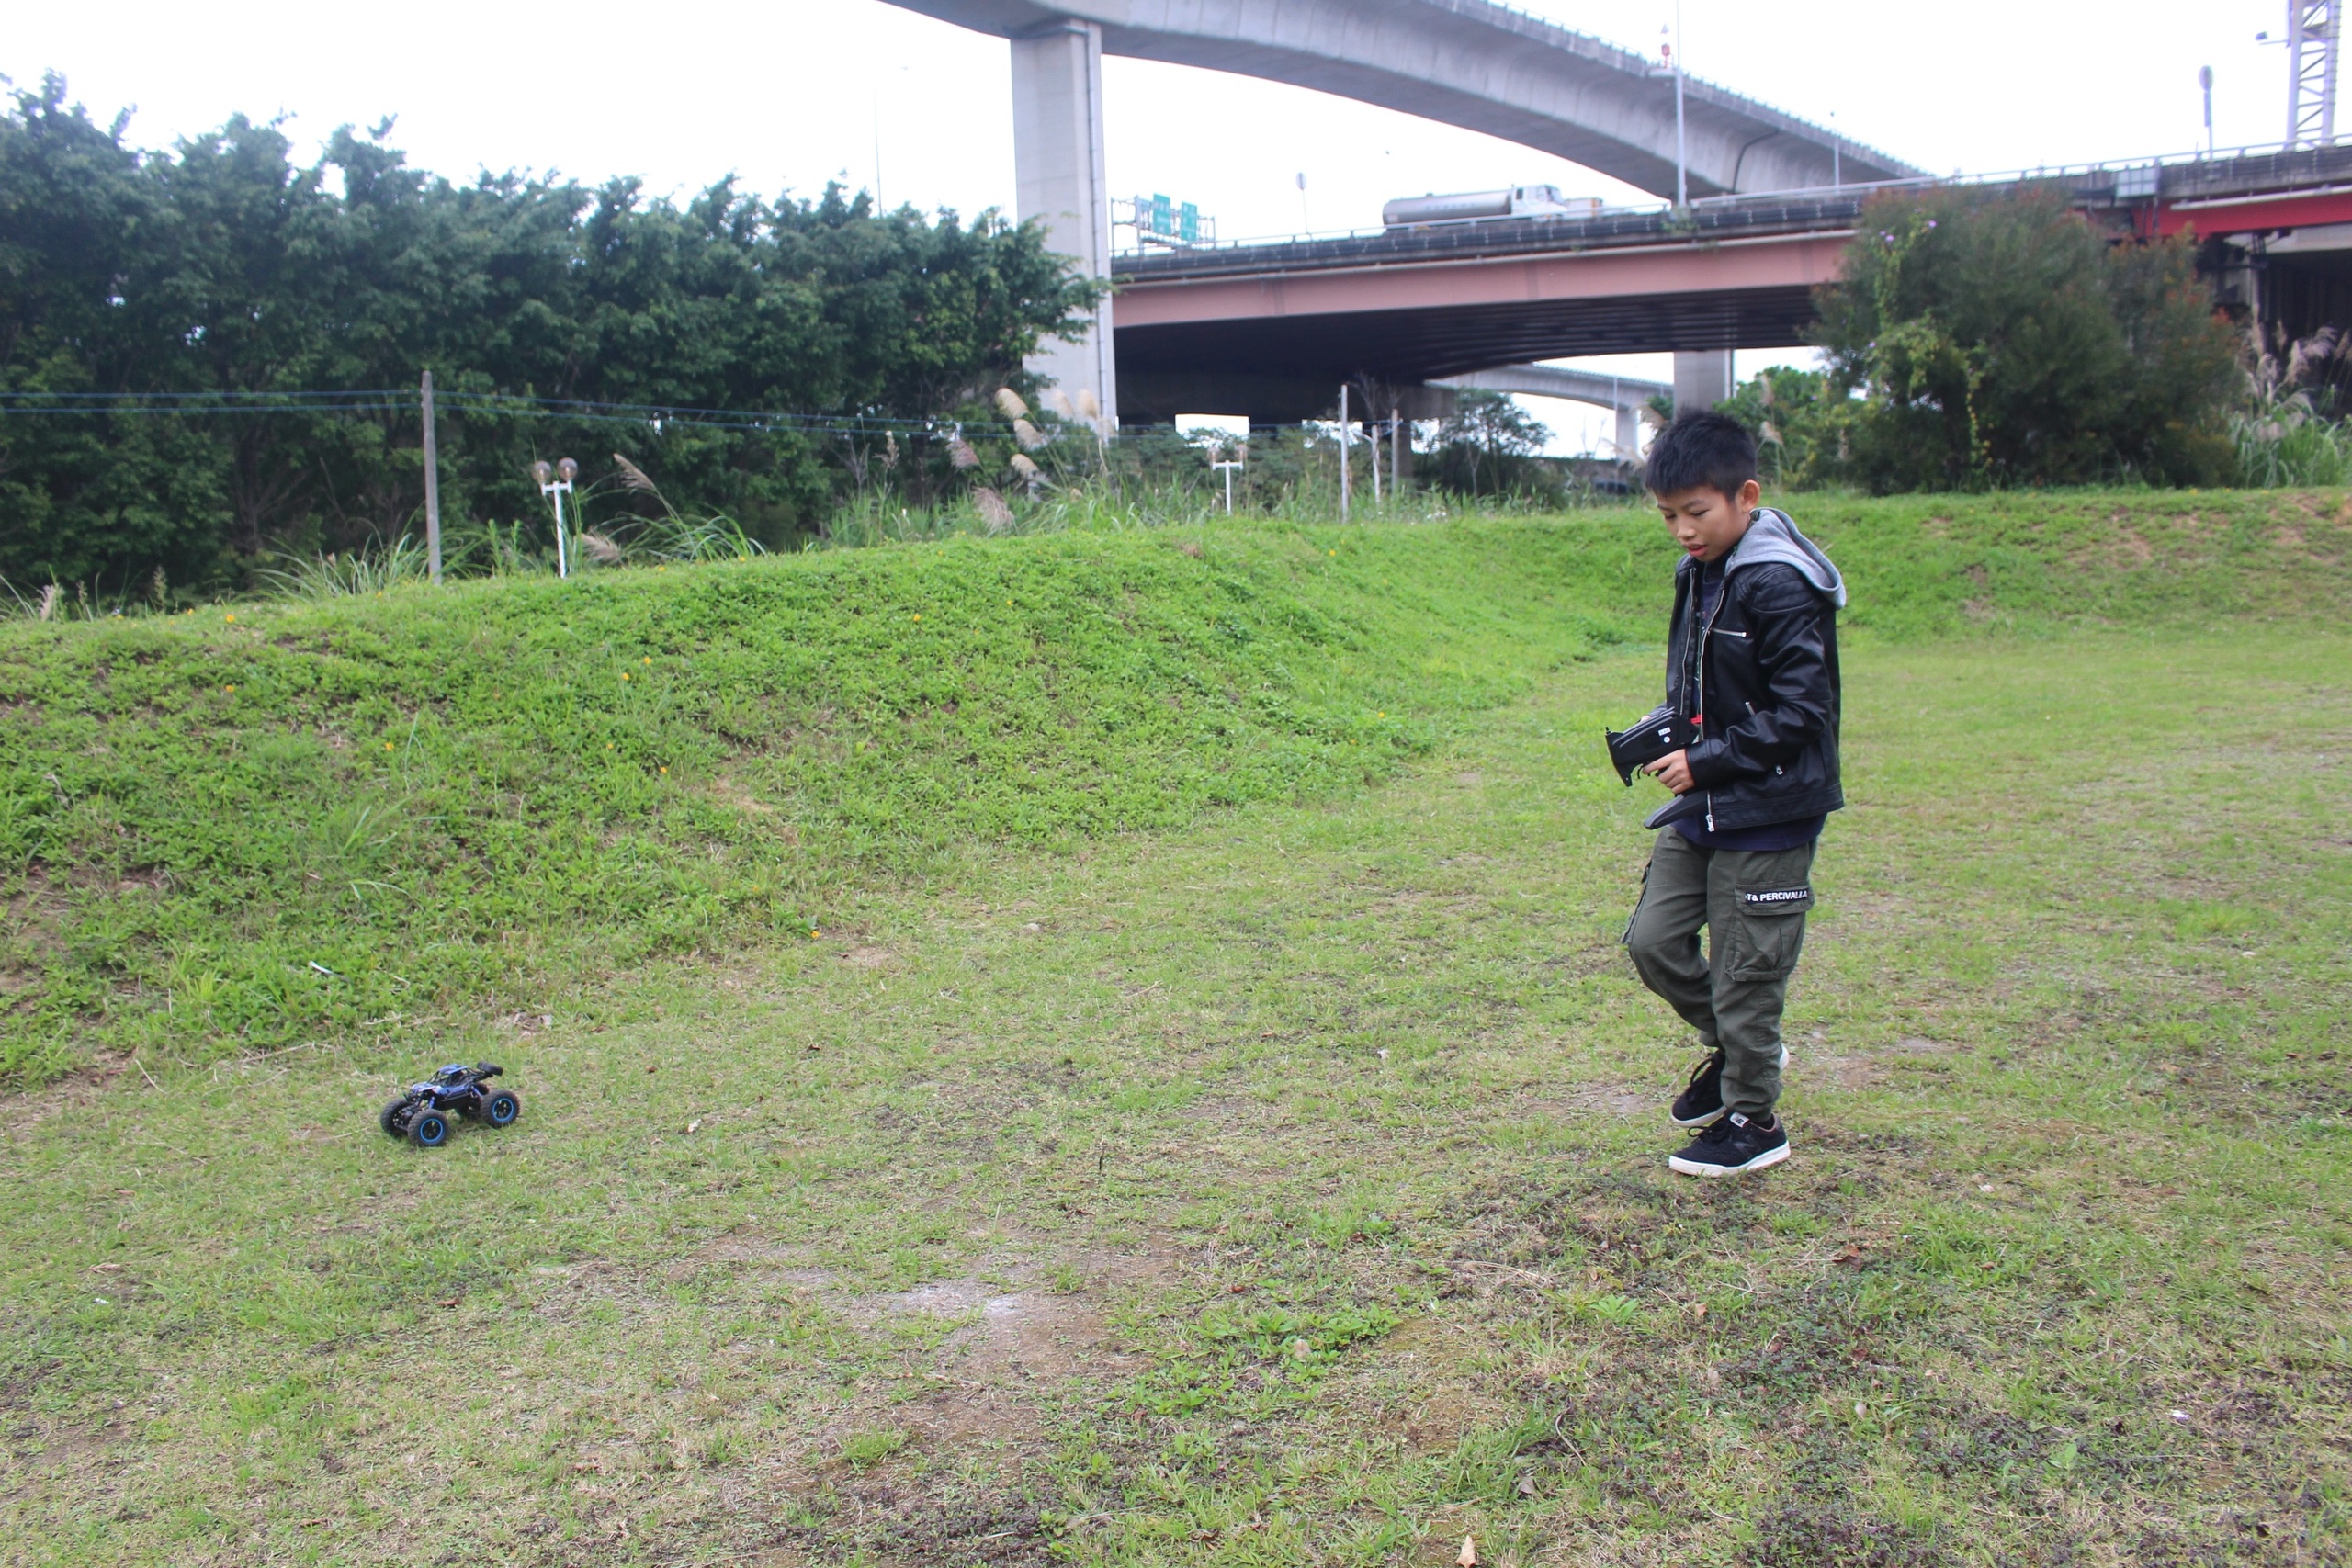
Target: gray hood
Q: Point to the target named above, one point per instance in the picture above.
(1770, 536)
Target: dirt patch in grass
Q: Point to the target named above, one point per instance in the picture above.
(1820, 1061)
(84, 1086)
(1012, 1353)
(1601, 1098)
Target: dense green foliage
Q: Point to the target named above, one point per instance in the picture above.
(439, 797)
(1979, 339)
(224, 268)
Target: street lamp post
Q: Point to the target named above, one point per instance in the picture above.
(1228, 467)
(1673, 51)
(555, 484)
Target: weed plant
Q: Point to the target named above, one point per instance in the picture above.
(2288, 441)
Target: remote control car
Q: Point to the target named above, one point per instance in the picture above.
(421, 1115)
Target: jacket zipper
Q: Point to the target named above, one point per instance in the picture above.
(1699, 652)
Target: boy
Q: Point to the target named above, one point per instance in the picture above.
(1752, 663)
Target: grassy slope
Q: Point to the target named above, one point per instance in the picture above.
(244, 827)
(445, 798)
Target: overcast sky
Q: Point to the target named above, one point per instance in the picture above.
(787, 94)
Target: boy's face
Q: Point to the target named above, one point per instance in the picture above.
(1707, 522)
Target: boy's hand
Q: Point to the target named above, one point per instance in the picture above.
(1673, 771)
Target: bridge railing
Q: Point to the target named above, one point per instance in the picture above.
(2156, 164)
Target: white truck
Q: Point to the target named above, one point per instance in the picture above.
(1485, 206)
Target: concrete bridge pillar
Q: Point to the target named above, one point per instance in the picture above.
(1061, 180)
(1702, 379)
(1629, 436)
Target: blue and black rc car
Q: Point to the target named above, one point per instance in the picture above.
(421, 1115)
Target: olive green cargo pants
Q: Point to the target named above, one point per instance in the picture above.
(1753, 904)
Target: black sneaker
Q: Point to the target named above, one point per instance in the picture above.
(1734, 1146)
(1700, 1103)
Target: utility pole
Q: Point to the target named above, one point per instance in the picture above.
(432, 488)
(1673, 51)
(1396, 439)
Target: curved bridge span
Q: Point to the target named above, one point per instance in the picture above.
(1465, 63)
(1469, 63)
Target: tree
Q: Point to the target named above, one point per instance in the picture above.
(1981, 339)
(1488, 444)
(1792, 414)
(223, 267)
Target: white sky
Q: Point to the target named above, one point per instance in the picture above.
(787, 94)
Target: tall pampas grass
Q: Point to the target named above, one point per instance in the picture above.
(634, 478)
(992, 509)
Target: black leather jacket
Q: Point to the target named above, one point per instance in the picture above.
(1766, 696)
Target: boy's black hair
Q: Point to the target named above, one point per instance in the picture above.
(1703, 449)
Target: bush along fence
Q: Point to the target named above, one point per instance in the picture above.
(467, 482)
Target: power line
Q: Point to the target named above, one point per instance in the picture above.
(404, 400)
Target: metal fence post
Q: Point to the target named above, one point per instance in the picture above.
(432, 487)
(1345, 451)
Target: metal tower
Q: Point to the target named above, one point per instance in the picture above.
(2313, 29)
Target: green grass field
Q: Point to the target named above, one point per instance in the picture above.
(1244, 1147)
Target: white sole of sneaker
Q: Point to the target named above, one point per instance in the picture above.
(1769, 1158)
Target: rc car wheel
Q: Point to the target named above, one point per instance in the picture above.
(428, 1129)
(501, 1109)
(391, 1121)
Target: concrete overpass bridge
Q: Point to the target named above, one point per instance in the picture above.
(1271, 330)
(1262, 329)
(1465, 63)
